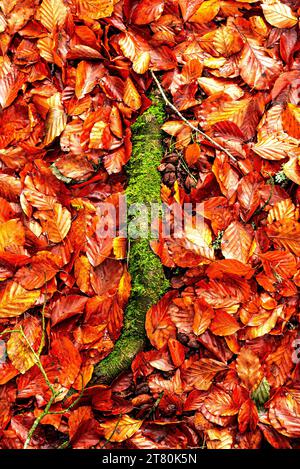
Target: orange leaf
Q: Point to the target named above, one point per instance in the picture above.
(43, 267)
(84, 430)
(286, 234)
(249, 368)
(87, 76)
(291, 120)
(192, 153)
(236, 242)
(227, 41)
(94, 9)
(279, 364)
(224, 324)
(201, 373)
(203, 316)
(63, 363)
(131, 95)
(118, 430)
(257, 68)
(15, 300)
(11, 233)
(56, 223)
(147, 11)
(177, 351)
(248, 416)
(66, 307)
(221, 268)
(158, 325)
(206, 12)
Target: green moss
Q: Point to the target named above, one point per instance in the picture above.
(148, 279)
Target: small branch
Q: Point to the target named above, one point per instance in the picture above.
(186, 169)
(207, 137)
(38, 420)
(260, 209)
(113, 432)
(38, 363)
(70, 407)
(155, 405)
(42, 342)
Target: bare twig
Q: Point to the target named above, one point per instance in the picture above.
(195, 129)
(38, 363)
(112, 433)
(155, 405)
(42, 342)
(38, 420)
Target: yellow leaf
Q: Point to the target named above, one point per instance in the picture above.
(96, 134)
(263, 329)
(215, 85)
(18, 350)
(11, 233)
(56, 223)
(15, 300)
(127, 45)
(259, 26)
(214, 62)
(45, 46)
(52, 14)
(141, 63)
(172, 127)
(131, 95)
(120, 247)
(56, 118)
(219, 439)
(279, 15)
(227, 41)
(117, 430)
(206, 12)
(94, 9)
(292, 169)
(282, 210)
(274, 147)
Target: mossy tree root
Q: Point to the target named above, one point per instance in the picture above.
(148, 279)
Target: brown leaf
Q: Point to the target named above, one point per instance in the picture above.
(249, 368)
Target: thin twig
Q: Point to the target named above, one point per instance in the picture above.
(260, 209)
(73, 404)
(38, 363)
(42, 342)
(155, 405)
(113, 432)
(174, 108)
(38, 420)
(186, 169)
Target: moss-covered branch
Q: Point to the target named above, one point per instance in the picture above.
(148, 279)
